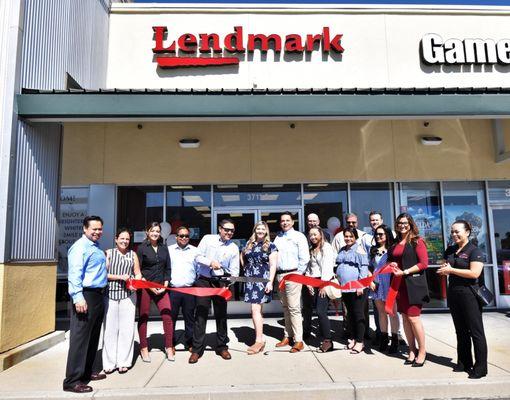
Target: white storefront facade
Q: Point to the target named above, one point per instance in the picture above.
(204, 111)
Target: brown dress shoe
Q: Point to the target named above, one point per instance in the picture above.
(78, 388)
(193, 358)
(97, 376)
(225, 354)
(285, 342)
(298, 346)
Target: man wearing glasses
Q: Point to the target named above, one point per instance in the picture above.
(217, 256)
(184, 274)
(351, 220)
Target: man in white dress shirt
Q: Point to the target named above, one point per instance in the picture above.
(217, 256)
(351, 220)
(184, 274)
(293, 257)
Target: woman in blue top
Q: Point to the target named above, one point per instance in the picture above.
(352, 264)
(259, 259)
(381, 285)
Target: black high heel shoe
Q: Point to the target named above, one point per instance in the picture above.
(408, 361)
(417, 364)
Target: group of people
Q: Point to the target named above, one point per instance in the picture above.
(349, 256)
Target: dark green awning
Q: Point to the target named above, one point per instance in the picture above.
(341, 103)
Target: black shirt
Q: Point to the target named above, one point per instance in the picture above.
(461, 260)
(154, 266)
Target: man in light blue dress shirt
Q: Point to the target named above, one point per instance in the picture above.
(293, 257)
(87, 280)
(217, 256)
(184, 274)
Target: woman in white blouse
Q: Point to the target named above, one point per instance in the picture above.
(321, 266)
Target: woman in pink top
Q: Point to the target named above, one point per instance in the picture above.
(410, 259)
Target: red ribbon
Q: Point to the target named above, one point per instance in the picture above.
(352, 285)
(224, 292)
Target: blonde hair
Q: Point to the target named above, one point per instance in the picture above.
(253, 238)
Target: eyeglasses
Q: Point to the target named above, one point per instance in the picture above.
(403, 223)
(183, 236)
(228, 230)
(352, 222)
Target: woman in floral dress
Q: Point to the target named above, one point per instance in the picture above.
(259, 259)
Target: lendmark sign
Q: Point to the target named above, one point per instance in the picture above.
(209, 49)
(435, 50)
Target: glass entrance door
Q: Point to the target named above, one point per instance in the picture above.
(244, 220)
(501, 246)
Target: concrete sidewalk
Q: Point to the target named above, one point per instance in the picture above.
(277, 374)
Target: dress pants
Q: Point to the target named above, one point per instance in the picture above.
(321, 304)
(119, 333)
(202, 312)
(467, 318)
(163, 303)
(186, 303)
(290, 298)
(355, 314)
(85, 329)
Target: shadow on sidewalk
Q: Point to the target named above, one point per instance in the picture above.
(246, 335)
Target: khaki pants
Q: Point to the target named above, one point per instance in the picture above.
(290, 298)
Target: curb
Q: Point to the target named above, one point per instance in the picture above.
(488, 388)
(20, 353)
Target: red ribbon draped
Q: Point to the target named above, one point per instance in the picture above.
(352, 285)
(224, 292)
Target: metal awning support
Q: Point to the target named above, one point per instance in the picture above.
(501, 154)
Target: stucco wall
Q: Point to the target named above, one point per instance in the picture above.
(27, 303)
(264, 152)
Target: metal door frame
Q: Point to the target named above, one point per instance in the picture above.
(257, 211)
(502, 301)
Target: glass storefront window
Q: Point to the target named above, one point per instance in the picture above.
(328, 201)
(421, 201)
(437, 289)
(257, 195)
(499, 200)
(74, 202)
(466, 200)
(367, 197)
(137, 206)
(189, 206)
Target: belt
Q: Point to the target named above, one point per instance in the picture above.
(94, 289)
(285, 271)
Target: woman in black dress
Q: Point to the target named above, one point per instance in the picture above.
(464, 265)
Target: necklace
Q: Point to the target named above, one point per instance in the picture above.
(380, 252)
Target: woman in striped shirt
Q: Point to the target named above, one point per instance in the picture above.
(119, 323)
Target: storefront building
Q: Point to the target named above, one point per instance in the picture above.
(191, 113)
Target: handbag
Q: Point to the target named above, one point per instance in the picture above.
(482, 294)
(332, 292)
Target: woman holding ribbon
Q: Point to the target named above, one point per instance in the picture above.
(409, 259)
(259, 259)
(464, 265)
(119, 322)
(352, 265)
(321, 266)
(155, 267)
(380, 286)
